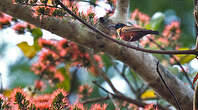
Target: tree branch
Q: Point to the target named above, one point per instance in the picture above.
(121, 13)
(125, 98)
(103, 74)
(195, 100)
(143, 63)
(178, 63)
(196, 21)
(170, 91)
(95, 100)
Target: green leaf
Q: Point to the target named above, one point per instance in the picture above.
(37, 33)
(66, 83)
(186, 59)
(36, 45)
(107, 62)
(156, 21)
(29, 51)
(183, 58)
(93, 1)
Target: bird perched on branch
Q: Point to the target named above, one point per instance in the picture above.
(131, 33)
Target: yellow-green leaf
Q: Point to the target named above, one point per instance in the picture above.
(66, 83)
(7, 93)
(148, 94)
(28, 51)
(183, 58)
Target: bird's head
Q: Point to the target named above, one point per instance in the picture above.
(119, 25)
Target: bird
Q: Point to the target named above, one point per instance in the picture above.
(131, 33)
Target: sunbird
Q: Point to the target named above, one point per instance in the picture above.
(131, 33)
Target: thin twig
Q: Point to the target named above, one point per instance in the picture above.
(103, 74)
(73, 80)
(178, 63)
(142, 90)
(171, 92)
(124, 77)
(94, 100)
(129, 100)
(195, 52)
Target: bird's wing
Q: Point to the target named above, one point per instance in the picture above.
(128, 29)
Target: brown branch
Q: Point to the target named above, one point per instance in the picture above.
(196, 21)
(195, 100)
(95, 100)
(129, 100)
(124, 77)
(171, 92)
(178, 63)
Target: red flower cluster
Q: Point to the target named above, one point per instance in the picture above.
(42, 101)
(39, 84)
(98, 107)
(80, 106)
(84, 91)
(4, 20)
(61, 52)
(19, 100)
(172, 31)
(4, 102)
(141, 18)
(42, 10)
(150, 107)
(20, 27)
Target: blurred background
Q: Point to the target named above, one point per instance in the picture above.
(15, 67)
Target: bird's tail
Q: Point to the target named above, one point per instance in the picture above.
(153, 32)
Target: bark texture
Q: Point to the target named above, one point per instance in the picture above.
(121, 12)
(143, 63)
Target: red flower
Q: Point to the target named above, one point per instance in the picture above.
(59, 76)
(135, 15)
(42, 102)
(98, 107)
(172, 29)
(77, 106)
(59, 99)
(38, 67)
(98, 60)
(39, 84)
(19, 96)
(150, 107)
(63, 47)
(85, 90)
(19, 26)
(139, 16)
(49, 44)
(75, 51)
(48, 57)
